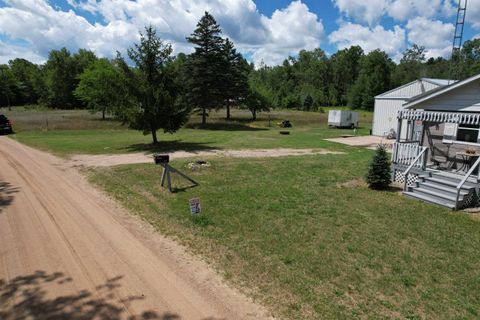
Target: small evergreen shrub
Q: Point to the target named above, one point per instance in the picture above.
(379, 173)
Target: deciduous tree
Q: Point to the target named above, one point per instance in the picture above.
(411, 66)
(256, 102)
(7, 86)
(101, 87)
(61, 72)
(374, 78)
(28, 80)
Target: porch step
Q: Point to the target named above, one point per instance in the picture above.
(471, 181)
(431, 199)
(450, 182)
(442, 188)
(436, 194)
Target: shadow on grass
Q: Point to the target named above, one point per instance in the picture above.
(390, 189)
(183, 189)
(170, 146)
(226, 125)
(27, 297)
(6, 194)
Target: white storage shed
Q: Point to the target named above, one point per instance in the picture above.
(389, 103)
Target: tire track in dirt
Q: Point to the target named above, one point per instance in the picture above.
(58, 225)
(45, 202)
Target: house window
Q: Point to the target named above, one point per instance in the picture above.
(461, 133)
(467, 133)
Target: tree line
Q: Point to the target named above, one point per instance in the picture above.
(350, 77)
(153, 89)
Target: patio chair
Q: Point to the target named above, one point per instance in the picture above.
(439, 155)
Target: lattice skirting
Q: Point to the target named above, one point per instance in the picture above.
(471, 200)
(400, 178)
(467, 202)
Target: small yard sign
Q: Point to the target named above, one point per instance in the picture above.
(195, 207)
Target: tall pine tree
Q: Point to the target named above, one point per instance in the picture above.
(235, 75)
(205, 67)
(155, 101)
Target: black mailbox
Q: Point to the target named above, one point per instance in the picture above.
(161, 158)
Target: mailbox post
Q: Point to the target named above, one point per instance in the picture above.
(163, 160)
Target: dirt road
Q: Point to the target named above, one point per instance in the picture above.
(68, 252)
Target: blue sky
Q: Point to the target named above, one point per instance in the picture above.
(264, 31)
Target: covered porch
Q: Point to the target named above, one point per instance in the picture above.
(439, 160)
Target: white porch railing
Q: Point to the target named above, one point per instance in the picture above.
(405, 153)
(467, 175)
(435, 116)
(415, 163)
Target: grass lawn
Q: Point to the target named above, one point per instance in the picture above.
(306, 237)
(76, 131)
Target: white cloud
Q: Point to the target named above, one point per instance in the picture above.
(371, 11)
(290, 30)
(423, 21)
(45, 28)
(402, 10)
(9, 52)
(265, 38)
(368, 11)
(435, 35)
(390, 41)
(473, 13)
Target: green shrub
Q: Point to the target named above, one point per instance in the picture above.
(379, 173)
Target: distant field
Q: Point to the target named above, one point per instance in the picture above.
(309, 239)
(35, 118)
(67, 132)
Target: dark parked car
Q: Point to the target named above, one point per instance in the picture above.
(5, 124)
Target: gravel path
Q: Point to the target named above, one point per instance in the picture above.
(105, 160)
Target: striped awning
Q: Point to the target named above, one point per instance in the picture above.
(441, 117)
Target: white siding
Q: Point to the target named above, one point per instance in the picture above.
(409, 90)
(429, 86)
(389, 103)
(385, 116)
(466, 98)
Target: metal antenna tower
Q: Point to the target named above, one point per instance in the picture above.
(460, 23)
(458, 35)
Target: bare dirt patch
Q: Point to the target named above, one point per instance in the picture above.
(370, 142)
(107, 160)
(356, 183)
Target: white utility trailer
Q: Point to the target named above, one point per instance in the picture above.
(343, 119)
